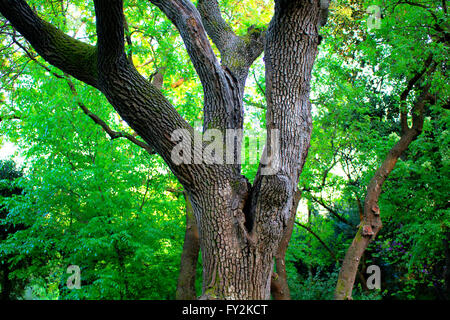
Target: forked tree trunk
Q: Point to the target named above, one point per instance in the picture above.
(189, 258)
(241, 226)
(371, 222)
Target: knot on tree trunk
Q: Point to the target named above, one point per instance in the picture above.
(271, 208)
(367, 231)
(275, 190)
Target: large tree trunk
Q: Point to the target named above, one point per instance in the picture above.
(371, 222)
(189, 257)
(241, 226)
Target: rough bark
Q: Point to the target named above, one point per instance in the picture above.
(240, 264)
(240, 226)
(68, 54)
(371, 223)
(189, 257)
(279, 286)
(237, 53)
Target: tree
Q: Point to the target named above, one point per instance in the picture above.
(240, 224)
(364, 87)
(189, 257)
(371, 221)
(417, 85)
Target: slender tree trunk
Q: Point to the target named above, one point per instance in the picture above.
(371, 222)
(189, 257)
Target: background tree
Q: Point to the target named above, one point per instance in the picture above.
(421, 83)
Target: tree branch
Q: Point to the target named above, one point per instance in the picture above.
(238, 53)
(330, 210)
(318, 238)
(187, 20)
(220, 99)
(418, 114)
(404, 95)
(220, 32)
(110, 33)
(13, 117)
(112, 134)
(428, 9)
(129, 41)
(66, 53)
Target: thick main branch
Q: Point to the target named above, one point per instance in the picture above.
(219, 86)
(64, 52)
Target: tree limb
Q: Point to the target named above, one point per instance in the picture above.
(220, 108)
(318, 238)
(404, 95)
(330, 210)
(220, 32)
(187, 20)
(112, 134)
(110, 33)
(64, 52)
(238, 53)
